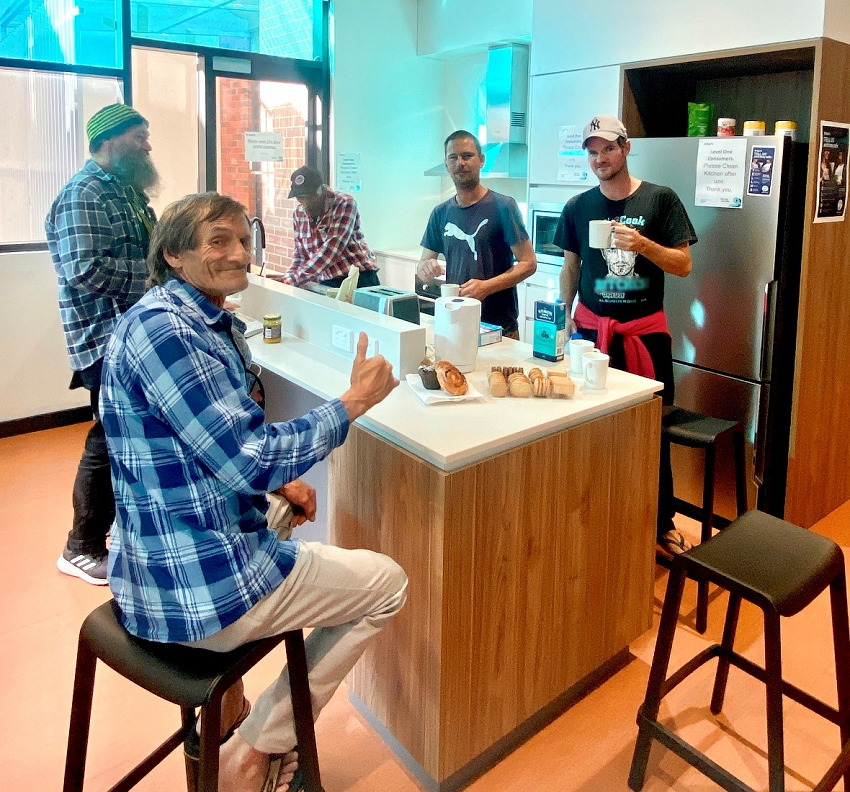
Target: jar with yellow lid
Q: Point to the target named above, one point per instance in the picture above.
(753, 128)
(271, 328)
(786, 128)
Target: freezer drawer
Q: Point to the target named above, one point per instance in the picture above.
(722, 397)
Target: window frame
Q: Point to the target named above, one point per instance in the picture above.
(314, 74)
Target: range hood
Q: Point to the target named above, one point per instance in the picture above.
(505, 152)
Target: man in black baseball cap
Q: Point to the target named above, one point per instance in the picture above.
(328, 239)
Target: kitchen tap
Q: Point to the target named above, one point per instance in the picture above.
(258, 243)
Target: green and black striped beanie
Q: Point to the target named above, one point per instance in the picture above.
(111, 121)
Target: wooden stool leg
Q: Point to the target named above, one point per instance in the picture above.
(705, 535)
(302, 707)
(658, 673)
(841, 641)
(773, 683)
(740, 471)
(210, 740)
(78, 732)
(726, 645)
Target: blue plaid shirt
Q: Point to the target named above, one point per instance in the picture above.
(192, 459)
(97, 232)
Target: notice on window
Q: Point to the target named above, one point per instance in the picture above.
(572, 159)
(721, 172)
(348, 173)
(264, 147)
(832, 172)
(761, 170)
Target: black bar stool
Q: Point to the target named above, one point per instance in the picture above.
(780, 568)
(694, 430)
(188, 677)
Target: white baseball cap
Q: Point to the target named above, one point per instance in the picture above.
(604, 126)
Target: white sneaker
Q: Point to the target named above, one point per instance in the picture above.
(86, 567)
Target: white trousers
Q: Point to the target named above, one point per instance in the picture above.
(348, 597)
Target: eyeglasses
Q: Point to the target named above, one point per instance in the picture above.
(255, 386)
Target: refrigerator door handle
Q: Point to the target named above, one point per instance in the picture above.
(771, 296)
(760, 439)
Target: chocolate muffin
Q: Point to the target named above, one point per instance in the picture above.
(429, 378)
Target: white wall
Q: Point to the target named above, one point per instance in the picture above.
(837, 20)
(387, 105)
(447, 25)
(35, 373)
(570, 36)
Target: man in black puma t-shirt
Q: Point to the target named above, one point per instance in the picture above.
(621, 288)
(479, 232)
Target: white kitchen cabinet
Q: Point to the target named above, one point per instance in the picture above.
(565, 99)
(543, 285)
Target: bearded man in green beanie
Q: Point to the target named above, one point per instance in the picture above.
(98, 232)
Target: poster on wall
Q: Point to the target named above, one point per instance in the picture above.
(348, 173)
(721, 171)
(832, 172)
(572, 159)
(264, 147)
(761, 170)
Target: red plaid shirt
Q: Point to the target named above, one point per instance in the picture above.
(326, 248)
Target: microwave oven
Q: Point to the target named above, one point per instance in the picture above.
(544, 220)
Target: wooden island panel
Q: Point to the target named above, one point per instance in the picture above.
(528, 571)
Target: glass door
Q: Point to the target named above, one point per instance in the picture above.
(261, 137)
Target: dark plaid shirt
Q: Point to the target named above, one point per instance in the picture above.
(98, 235)
(327, 248)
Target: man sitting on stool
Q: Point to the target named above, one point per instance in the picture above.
(193, 559)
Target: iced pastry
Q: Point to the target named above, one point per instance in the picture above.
(429, 378)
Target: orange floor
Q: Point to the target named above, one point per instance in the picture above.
(588, 749)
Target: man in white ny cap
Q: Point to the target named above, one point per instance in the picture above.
(621, 288)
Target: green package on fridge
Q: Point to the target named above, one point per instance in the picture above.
(700, 119)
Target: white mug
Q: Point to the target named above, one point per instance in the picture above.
(595, 369)
(578, 346)
(450, 290)
(599, 233)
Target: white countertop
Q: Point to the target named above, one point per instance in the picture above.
(452, 435)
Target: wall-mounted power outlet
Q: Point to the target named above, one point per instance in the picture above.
(342, 338)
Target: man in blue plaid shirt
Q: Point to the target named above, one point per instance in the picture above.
(193, 559)
(98, 232)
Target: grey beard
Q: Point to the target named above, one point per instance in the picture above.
(138, 172)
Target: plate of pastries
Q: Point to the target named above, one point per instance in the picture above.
(442, 381)
(506, 381)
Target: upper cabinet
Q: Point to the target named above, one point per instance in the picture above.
(566, 99)
(571, 36)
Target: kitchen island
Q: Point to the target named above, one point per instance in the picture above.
(526, 527)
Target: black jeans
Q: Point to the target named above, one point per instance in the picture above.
(660, 348)
(94, 501)
(366, 278)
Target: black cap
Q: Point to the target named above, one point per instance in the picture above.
(305, 181)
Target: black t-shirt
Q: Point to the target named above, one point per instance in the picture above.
(476, 241)
(620, 283)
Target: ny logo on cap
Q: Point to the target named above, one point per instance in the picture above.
(594, 124)
(299, 180)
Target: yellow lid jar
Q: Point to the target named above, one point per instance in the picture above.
(786, 128)
(752, 128)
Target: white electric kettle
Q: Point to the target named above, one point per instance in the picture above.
(457, 322)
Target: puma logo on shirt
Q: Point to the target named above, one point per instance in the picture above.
(453, 231)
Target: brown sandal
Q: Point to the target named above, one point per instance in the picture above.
(192, 745)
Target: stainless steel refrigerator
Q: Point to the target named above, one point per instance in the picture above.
(733, 320)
